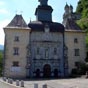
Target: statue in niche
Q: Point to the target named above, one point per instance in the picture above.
(43, 2)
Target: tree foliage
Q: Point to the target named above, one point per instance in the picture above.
(82, 9)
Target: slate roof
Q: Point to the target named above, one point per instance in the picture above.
(40, 26)
(72, 25)
(18, 21)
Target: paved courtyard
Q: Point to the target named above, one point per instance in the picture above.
(59, 83)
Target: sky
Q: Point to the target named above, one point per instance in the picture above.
(9, 8)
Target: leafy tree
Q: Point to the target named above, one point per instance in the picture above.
(82, 9)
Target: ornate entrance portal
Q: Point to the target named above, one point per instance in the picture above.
(47, 71)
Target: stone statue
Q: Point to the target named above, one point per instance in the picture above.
(43, 2)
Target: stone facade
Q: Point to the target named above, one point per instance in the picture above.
(43, 48)
(10, 57)
(70, 37)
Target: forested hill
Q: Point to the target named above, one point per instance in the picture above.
(1, 47)
(82, 8)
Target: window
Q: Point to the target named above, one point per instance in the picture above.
(47, 28)
(46, 53)
(37, 50)
(75, 40)
(55, 51)
(76, 51)
(16, 51)
(76, 64)
(16, 38)
(16, 64)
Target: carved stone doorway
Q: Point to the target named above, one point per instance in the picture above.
(46, 71)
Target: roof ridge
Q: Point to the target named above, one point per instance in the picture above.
(17, 21)
(72, 25)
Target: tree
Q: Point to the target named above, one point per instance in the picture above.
(82, 9)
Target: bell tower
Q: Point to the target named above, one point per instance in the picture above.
(44, 11)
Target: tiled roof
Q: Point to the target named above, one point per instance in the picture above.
(72, 25)
(18, 21)
(40, 26)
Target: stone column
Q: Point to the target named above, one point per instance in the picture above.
(4, 78)
(17, 82)
(22, 83)
(11, 81)
(45, 86)
(35, 85)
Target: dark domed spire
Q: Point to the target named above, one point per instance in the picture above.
(71, 6)
(66, 6)
(71, 9)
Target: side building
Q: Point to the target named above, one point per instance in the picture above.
(16, 41)
(74, 39)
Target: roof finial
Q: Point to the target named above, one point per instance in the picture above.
(21, 12)
(66, 3)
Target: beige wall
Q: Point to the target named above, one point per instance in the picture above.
(24, 35)
(69, 41)
(10, 44)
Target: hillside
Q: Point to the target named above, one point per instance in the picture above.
(1, 47)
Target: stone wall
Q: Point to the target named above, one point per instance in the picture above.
(10, 70)
(69, 41)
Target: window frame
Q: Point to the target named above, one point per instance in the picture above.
(15, 63)
(15, 51)
(77, 52)
(75, 40)
(16, 39)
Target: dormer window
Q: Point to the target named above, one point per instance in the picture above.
(47, 29)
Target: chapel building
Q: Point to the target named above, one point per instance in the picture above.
(43, 48)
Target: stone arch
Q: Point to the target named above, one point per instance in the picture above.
(47, 71)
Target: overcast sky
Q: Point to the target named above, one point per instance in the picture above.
(9, 8)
